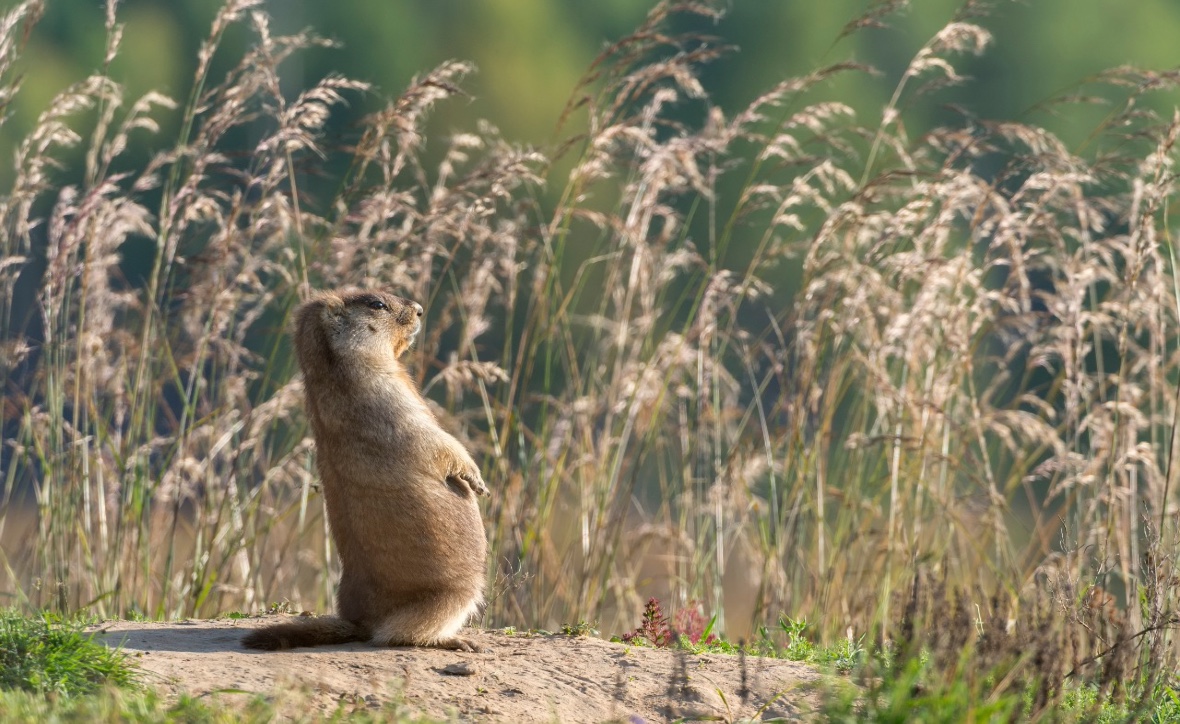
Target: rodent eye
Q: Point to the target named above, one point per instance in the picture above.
(377, 304)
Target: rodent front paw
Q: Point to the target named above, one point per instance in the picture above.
(474, 480)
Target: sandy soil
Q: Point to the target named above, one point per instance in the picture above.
(518, 678)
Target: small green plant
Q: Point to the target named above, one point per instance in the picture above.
(581, 628)
(846, 655)
(134, 614)
(798, 648)
(281, 607)
(43, 654)
(791, 639)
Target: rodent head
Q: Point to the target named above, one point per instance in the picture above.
(367, 327)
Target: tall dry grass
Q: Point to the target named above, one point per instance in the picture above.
(784, 347)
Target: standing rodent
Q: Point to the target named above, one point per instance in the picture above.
(400, 491)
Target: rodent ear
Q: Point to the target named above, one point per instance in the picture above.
(333, 307)
(321, 310)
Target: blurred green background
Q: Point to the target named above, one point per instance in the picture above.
(530, 53)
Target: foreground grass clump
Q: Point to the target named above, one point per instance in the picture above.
(956, 657)
(118, 705)
(48, 655)
(916, 690)
(150, 707)
(945, 662)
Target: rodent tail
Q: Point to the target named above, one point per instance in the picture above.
(308, 631)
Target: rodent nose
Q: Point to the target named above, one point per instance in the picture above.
(418, 308)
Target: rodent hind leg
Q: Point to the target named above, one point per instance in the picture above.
(433, 621)
(459, 643)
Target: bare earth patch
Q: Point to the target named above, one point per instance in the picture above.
(518, 678)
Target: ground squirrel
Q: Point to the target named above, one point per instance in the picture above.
(400, 491)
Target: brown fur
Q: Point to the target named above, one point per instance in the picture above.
(400, 491)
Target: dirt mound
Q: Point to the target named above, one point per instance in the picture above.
(518, 678)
